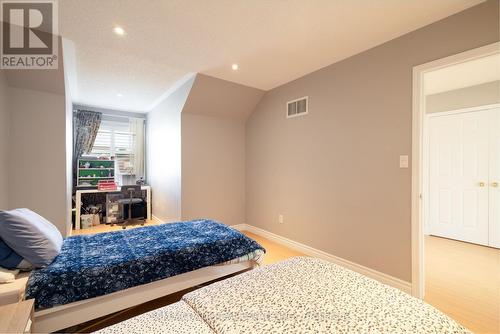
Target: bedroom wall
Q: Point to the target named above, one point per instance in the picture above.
(163, 154)
(4, 142)
(37, 156)
(334, 174)
(479, 95)
(40, 133)
(213, 168)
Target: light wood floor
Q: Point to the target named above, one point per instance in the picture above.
(108, 228)
(274, 251)
(463, 281)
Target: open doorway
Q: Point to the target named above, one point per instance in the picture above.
(456, 193)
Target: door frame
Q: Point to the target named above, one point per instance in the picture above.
(419, 131)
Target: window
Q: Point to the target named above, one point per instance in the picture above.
(115, 139)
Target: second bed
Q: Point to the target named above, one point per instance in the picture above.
(299, 295)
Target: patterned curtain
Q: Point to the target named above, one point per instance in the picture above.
(85, 126)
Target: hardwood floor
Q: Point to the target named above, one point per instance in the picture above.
(108, 228)
(274, 251)
(463, 281)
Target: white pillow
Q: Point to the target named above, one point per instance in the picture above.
(31, 236)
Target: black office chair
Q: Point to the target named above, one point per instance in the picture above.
(132, 196)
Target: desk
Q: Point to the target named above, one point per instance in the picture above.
(93, 191)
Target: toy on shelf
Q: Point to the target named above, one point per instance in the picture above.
(106, 185)
(91, 170)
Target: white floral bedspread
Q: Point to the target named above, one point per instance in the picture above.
(303, 295)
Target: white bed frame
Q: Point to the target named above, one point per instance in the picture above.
(64, 316)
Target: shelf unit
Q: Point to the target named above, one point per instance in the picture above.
(91, 170)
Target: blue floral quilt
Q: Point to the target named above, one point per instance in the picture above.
(94, 265)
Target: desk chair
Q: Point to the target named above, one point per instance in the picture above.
(132, 196)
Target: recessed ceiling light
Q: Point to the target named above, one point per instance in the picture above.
(119, 95)
(119, 30)
(235, 67)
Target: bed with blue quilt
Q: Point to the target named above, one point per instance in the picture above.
(95, 265)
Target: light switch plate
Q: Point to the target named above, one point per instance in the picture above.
(403, 161)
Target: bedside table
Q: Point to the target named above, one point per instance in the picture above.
(11, 293)
(17, 317)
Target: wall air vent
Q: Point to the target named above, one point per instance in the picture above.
(298, 107)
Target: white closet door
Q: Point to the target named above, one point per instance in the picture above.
(459, 168)
(494, 231)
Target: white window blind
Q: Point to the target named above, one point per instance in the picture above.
(102, 144)
(115, 139)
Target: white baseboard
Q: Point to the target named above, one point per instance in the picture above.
(240, 227)
(377, 275)
(168, 220)
(156, 219)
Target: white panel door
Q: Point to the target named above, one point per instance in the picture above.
(494, 182)
(458, 176)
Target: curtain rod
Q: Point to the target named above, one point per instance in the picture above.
(122, 116)
(111, 115)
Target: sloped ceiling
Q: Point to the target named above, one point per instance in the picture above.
(50, 81)
(210, 96)
(273, 41)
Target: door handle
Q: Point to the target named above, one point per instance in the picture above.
(482, 184)
(494, 184)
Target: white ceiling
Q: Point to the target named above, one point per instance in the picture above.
(273, 41)
(471, 73)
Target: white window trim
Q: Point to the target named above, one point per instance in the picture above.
(301, 114)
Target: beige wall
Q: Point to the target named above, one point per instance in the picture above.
(37, 154)
(38, 141)
(334, 173)
(4, 142)
(163, 157)
(213, 168)
(479, 95)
